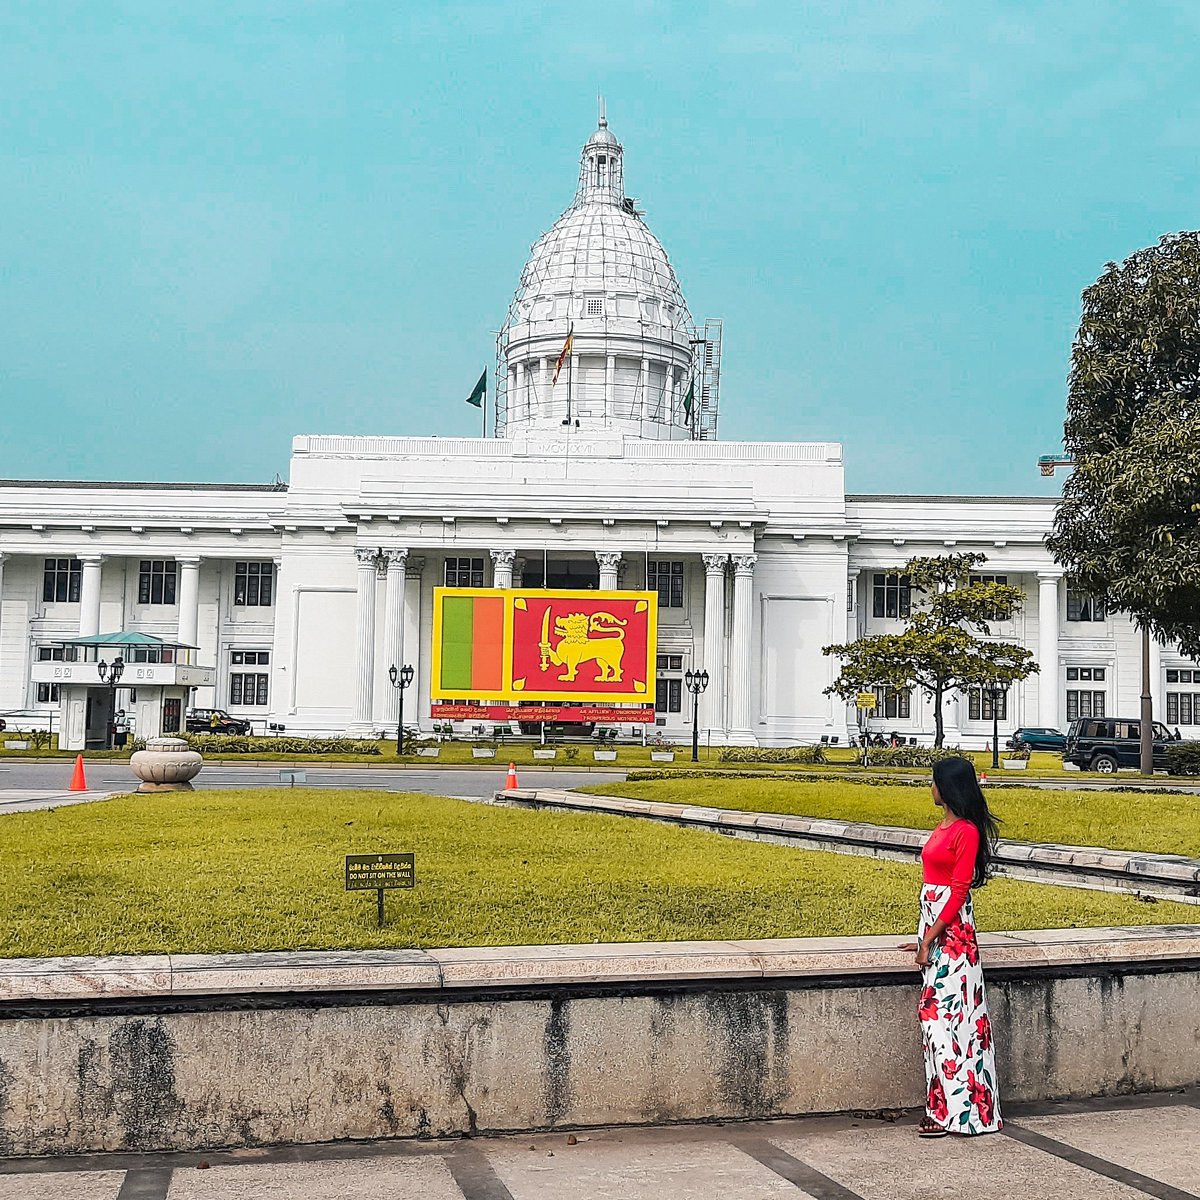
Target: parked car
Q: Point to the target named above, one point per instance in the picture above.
(1037, 738)
(1106, 743)
(200, 720)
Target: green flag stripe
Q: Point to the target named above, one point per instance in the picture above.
(458, 634)
(477, 395)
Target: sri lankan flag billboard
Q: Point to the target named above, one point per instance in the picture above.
(543, 644)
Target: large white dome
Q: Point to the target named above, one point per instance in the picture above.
(602, 278)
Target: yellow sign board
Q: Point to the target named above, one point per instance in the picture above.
(865, 700)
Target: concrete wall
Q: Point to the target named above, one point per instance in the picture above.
(162, 1053)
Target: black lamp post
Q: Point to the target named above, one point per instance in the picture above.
(696, 682)
(111, 676)
(997, 694)
(400, 680)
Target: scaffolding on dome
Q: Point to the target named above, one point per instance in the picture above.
(601, 272)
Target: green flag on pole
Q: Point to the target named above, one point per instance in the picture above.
(480, 391)
(689, 400)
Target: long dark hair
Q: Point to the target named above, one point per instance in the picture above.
(958, 786)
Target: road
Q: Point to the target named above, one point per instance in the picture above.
(107, 775)
(1124, 1149)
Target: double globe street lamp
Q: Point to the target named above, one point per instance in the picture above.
(401, 678)
(696, 682)
(112, 676)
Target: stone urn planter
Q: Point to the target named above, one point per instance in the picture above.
(482, 752)
(662, 755)
(429, 751)
(167, 764)
(545, 754)
(604, 755)
(1014, 764)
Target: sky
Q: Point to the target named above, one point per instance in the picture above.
(224, 224)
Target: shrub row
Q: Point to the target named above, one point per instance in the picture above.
(1183, 758)
(908, 756)
(223, 743)
(773, 754)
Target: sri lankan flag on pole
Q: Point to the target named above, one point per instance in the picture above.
(563, 354)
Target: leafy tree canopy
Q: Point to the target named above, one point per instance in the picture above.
(937, 652)
(1128, 527)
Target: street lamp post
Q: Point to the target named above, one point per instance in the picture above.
(112, 676)
(996, 692)
(696, 682)
(400, 680)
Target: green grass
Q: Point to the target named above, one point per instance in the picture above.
(257, 870)
(1168, 823)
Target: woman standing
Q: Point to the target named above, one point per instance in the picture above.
(956, 1032)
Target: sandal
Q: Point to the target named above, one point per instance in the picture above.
(929, 1128)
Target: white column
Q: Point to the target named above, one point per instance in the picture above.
(3, 559)
(1048, 648)
(714, 644)
(416, 701)
(852, 614)
(644, 390)
(544, 396)
(522, 396)
(610, 384)
(609, 562)
(740, 674)
(364, 650)
(189, 598)
(393, 625)
(89, 595)
(502, 568)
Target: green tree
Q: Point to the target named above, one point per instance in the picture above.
(937, 652)
(1128, 527)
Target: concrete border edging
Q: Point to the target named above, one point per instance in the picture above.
(1162, 876)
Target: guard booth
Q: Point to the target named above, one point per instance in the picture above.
(138, 678)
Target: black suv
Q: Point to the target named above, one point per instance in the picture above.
(1106, 743)
(215, 720)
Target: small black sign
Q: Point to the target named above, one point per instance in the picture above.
(377, 871)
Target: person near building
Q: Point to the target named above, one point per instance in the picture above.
(120, 730)
(962, 1096)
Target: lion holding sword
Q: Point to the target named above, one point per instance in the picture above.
(598, 638)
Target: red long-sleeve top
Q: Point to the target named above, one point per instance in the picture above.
(948, 859)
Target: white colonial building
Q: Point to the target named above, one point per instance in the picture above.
(605, 471)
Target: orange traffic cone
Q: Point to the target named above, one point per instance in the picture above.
(511, 782)
(78, 783)
(983, 777)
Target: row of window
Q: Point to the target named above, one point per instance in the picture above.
(891, 598)
(666, 577)
(253, 582)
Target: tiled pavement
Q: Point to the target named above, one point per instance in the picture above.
(1106, 1150)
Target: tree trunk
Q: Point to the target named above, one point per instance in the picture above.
(939, 732)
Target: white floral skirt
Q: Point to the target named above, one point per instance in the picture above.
(956, 1032)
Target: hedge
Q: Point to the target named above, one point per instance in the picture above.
(907, 756)
(773, 754)
(1183, 758)
(222, 743)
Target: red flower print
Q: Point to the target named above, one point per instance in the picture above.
(983, 1031)
(950, 1068)
(929, 1005)
(978, 995)
(961, 943)
(935, 1103)
(981, 1097)
(931, 896)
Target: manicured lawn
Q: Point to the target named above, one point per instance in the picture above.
(255, 870)
(1168, 823)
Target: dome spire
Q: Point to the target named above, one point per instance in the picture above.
(601, 169)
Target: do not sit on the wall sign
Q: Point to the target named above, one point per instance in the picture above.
(376, 872)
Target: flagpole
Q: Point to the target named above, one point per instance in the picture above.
(483, 406)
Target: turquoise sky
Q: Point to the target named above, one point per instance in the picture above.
(223, 224)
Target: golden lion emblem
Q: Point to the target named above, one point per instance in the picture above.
(582, 638)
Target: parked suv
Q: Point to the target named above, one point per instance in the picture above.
(1037, 738)
(200, 720)
(1106, 743)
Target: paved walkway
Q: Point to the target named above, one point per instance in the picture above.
(1117, 1150)
(31, 799)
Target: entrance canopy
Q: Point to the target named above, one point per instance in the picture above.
(131, 646)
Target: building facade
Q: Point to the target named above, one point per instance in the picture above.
(605, 472)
